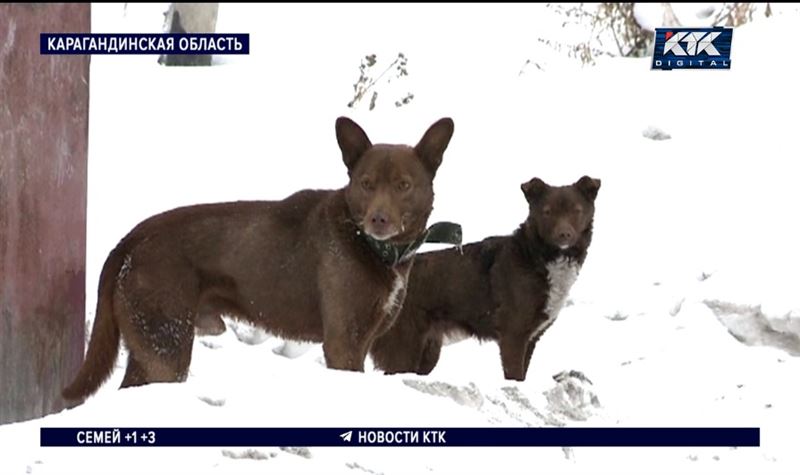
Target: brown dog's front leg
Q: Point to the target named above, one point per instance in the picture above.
(346, 316)
(343, 344)
(430, 354)
(348, 335)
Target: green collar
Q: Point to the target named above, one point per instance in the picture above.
(393, 254)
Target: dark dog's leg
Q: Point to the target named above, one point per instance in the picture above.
(532, 345)
(513, 348)
(529, 354)
(430, 355)
(400, 349)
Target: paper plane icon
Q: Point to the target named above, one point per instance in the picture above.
(347, 436)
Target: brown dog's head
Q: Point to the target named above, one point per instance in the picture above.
(560, 215)
(390, 194)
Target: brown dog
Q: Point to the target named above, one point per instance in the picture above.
(311, 267)
(508, 289)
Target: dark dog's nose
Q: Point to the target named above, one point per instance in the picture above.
(565, 235)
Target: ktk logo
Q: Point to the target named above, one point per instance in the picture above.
(696, 42)
(692, 48)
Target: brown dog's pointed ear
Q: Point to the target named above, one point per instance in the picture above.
(433, 144)
(534, 189)
(588, 186)
(353, 141)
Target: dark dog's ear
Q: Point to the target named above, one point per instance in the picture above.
(353, 141)
(433, 144)
(534, 189)
(589, 187)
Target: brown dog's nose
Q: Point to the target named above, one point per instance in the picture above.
(379, 219)
(379, 225)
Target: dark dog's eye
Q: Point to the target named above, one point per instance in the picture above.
(546, 212)
(578, 210)
(403, 186)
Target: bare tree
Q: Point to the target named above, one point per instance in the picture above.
(735, 14)
(613, 28)
(630, 38)
(370, 79)
(670, 20)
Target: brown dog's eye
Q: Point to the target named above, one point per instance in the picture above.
(578, 210)
(403, 186)
(366, 184)
(546, 212)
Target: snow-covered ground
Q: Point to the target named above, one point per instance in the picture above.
(695, 236)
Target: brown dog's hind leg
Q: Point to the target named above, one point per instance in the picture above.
(161, 352)
(218, 297)
(134, 374)
(209, 324)
(157, 326)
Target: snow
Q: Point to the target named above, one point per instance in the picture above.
(707, 216)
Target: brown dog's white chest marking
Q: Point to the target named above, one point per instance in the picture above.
(393, 301)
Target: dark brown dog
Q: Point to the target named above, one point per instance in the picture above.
(508, 289)
(304, 268)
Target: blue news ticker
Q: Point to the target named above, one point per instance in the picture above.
(402, 437)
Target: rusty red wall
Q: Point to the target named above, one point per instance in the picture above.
(44, 106)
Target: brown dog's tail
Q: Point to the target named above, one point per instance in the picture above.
(104, 344)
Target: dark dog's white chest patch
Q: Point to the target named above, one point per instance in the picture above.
(561, 274)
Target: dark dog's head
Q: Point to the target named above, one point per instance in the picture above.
(390, 194)
(560, 215)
